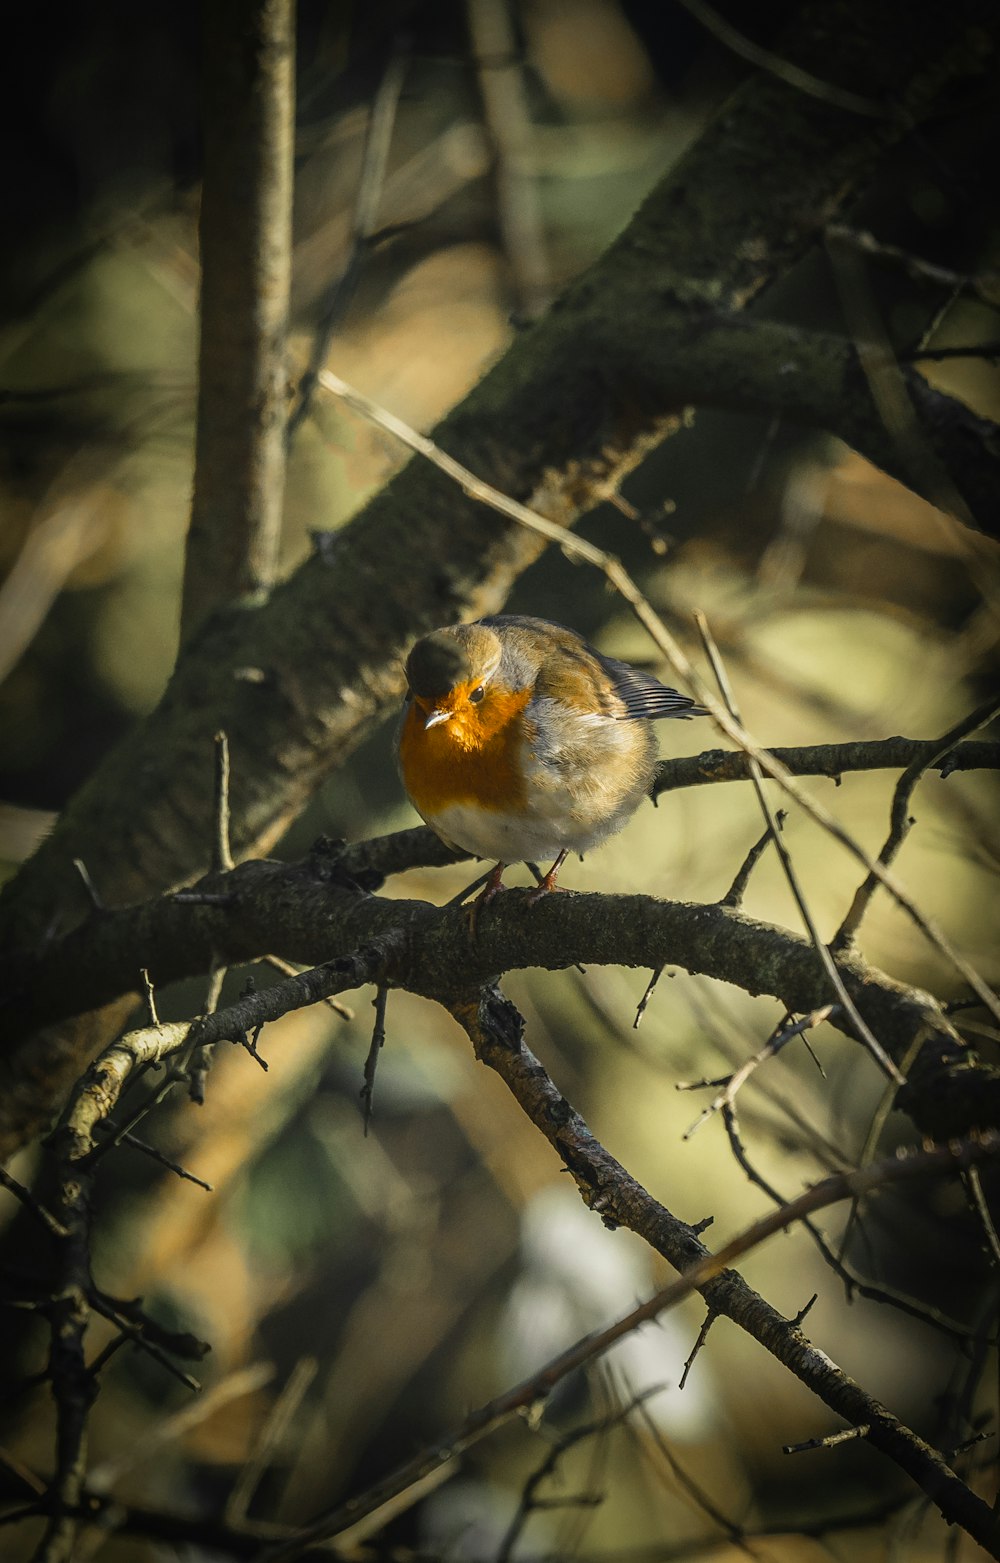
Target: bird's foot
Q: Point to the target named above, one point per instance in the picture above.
(547, 883)
(493, 887)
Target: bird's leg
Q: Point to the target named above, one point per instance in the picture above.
(548, 882)
(490, 890)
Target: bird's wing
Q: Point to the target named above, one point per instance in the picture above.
(564, 666)
(644, 695)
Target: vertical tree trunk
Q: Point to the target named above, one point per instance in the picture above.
(249, 115)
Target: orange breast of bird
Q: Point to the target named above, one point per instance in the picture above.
(474, 757)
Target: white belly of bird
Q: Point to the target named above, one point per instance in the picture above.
(507, 838)
(556, 818)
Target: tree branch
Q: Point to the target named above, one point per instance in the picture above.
(308, 909)
(245, 234)
(833, 760)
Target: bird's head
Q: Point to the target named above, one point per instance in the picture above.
(449, 674)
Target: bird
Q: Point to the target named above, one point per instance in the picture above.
(519, 742)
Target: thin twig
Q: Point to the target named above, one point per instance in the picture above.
(647, 995)
(529, 1501)
(155, 1154)
(899, 816)
(919, 269)
(873, 1134)
(377, 1043)
(269, 1440)
(289, 969)
(738, 889)
(787, 71)
(99, 1090)
(169, 1429)
(505, 105)
(977, 1198)
(702, 1337)
(27, 1199)
(150, 992)
(776, 1041)
(137, 1337)
(699, 1497)
(854, 1283)
(861, 1027)
(374, 161)
(894, 404)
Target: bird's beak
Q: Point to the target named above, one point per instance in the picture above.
(435, 716)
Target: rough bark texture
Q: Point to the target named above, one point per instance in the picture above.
(317, 911)
(246, 248)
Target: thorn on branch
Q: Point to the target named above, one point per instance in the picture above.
(239, 1037)
(644, 1001)
(707, 1322)
(803, 1313)
(375, 1047)
(249, 1044)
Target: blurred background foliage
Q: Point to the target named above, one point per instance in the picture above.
(375, 1288)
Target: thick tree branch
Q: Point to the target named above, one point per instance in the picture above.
(312, 912)
(833, 760)
(245, 236)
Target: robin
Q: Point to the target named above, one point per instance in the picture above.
(519, 742)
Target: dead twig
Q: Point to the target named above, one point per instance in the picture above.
(900, 822)
(377, 1043)
(862, 1030)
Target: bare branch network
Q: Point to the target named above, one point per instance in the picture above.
(304, 910)
(151, 875)
(301, 911)
(665, 318)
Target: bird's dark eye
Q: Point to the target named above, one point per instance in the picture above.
(475, 695)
